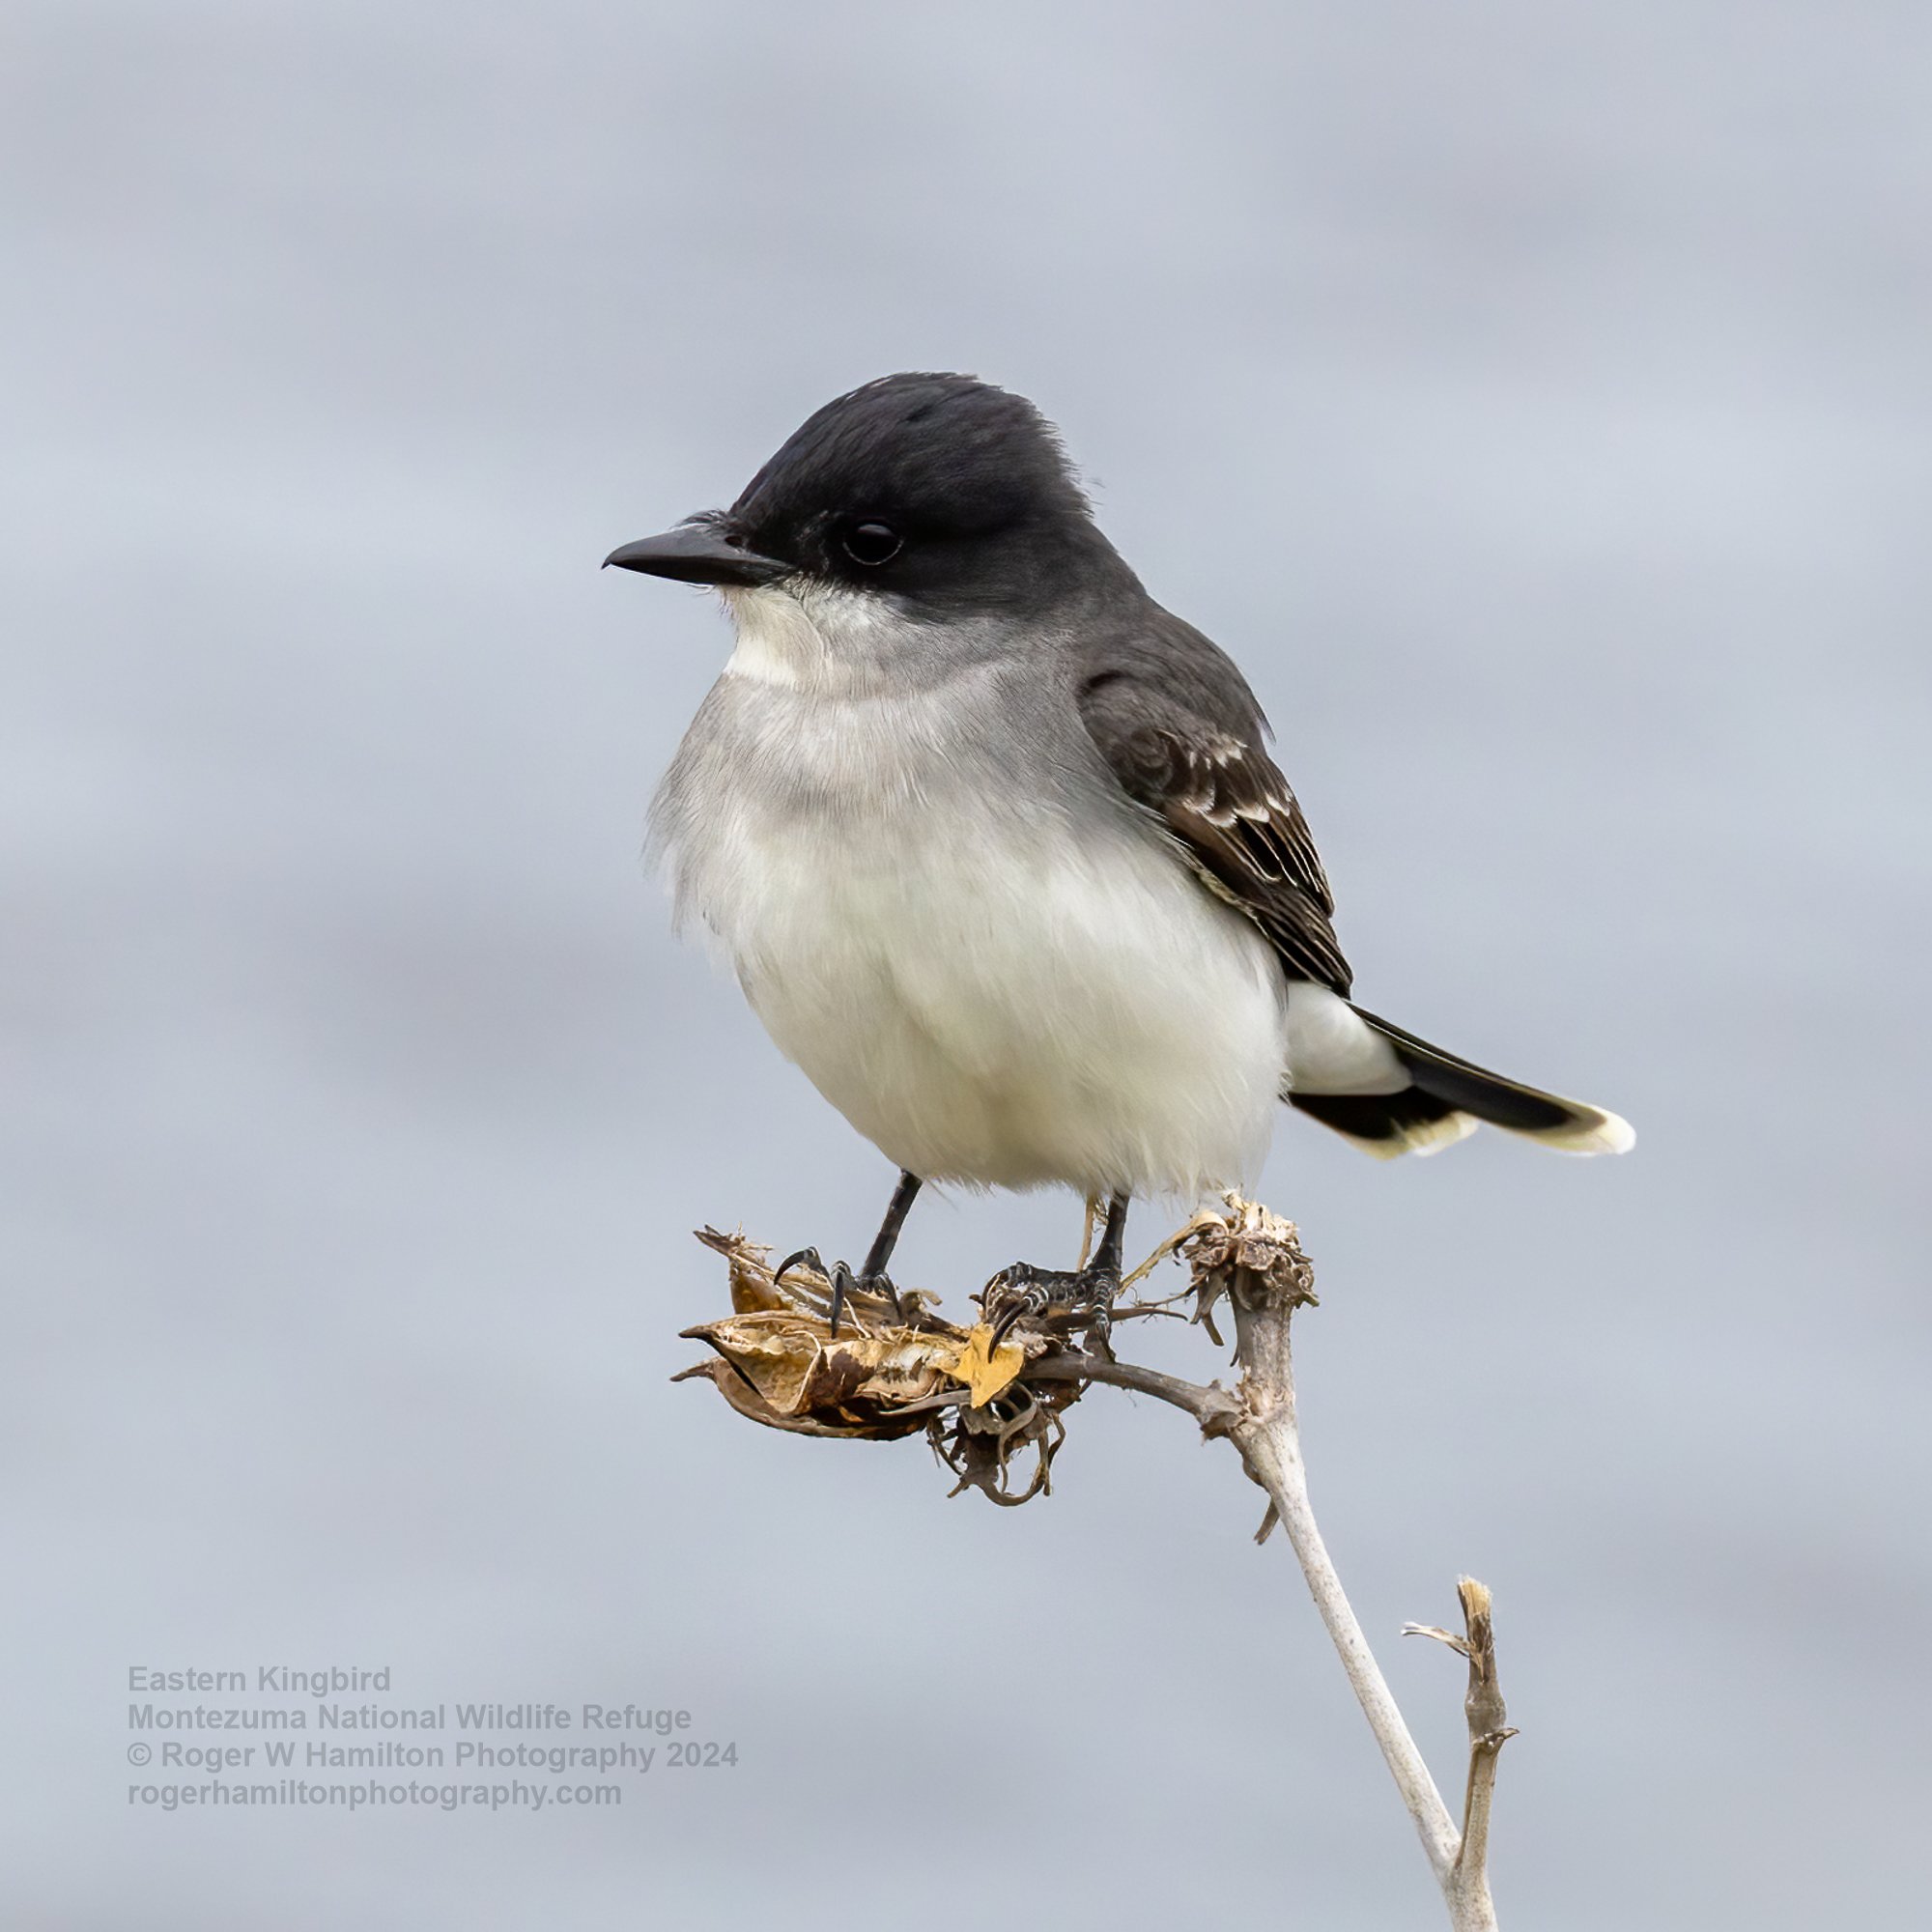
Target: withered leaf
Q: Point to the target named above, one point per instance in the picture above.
(985, 1370)
(780, 1367)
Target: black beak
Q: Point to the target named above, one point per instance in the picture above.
(696, 554)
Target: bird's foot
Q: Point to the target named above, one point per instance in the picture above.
(843, 1283)
(1066, 1301)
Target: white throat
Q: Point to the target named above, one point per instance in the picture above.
(808, 635)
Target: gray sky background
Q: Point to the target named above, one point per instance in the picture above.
(1534, 400)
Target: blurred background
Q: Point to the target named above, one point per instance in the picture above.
(1535, 401)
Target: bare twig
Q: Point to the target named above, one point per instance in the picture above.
(1490, 1730)
(1212, 1407)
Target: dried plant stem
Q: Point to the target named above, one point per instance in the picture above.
(1468, 1886)
(1273, 1458)
(1258, 1418)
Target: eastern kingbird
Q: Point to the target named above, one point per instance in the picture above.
(995, 842)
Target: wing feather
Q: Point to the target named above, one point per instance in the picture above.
(1230, 809)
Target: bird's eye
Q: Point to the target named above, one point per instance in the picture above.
(872, 543)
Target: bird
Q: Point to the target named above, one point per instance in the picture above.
(997, 849)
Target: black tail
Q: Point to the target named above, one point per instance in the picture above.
(1445, 1100)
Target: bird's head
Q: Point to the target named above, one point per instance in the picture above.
(915, 501)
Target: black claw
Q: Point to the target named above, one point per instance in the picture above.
(838, 1275)
(1086, 1298)
(844, 1281)
(790, 1261)
(841, 1281)
(1021, 1304)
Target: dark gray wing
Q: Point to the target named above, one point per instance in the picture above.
(1179, 730)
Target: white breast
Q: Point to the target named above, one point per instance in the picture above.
(994, 984)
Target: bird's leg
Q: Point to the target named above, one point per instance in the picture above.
(1082, 1297)
(1106, 1263)
(872, 1278)
(880, 1254)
